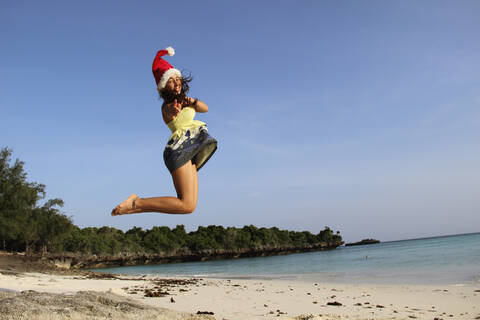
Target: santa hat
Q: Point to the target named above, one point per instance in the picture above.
(162, 70)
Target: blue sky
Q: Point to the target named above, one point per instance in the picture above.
(360, 115)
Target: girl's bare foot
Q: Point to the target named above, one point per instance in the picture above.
(126, 206)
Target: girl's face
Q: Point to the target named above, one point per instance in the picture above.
(174, 84)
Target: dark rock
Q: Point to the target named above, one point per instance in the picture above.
(363, 242)
(205, 312)
(335, 303)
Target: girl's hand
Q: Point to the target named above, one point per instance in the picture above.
(188, 101)
(172, 109)
(198, 105)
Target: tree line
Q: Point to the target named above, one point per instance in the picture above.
(27, 226)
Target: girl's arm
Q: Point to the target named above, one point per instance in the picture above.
(198, 105)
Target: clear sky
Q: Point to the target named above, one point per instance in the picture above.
(360, 115)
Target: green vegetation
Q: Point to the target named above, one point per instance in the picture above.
(27, 226)
(24, 225)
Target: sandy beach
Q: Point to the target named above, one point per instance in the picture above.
(258, 299)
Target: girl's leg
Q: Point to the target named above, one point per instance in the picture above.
(195, 186)
(185, 180)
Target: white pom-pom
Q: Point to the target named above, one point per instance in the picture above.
(170, 50)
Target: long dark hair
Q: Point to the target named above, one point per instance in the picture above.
(168, 96)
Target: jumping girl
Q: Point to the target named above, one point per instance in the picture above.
(188, 149)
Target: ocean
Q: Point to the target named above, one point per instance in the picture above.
(439, 260)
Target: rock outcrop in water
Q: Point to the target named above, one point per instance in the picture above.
(363, 242)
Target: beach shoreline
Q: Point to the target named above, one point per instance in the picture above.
(234, 299)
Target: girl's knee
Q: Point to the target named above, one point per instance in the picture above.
(189, 207)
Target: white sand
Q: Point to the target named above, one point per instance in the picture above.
(277, 299)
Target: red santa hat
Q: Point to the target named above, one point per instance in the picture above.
(162, 70)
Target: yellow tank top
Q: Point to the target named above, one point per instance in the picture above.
(183, 121)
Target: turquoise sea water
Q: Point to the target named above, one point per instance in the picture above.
(440, 260)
